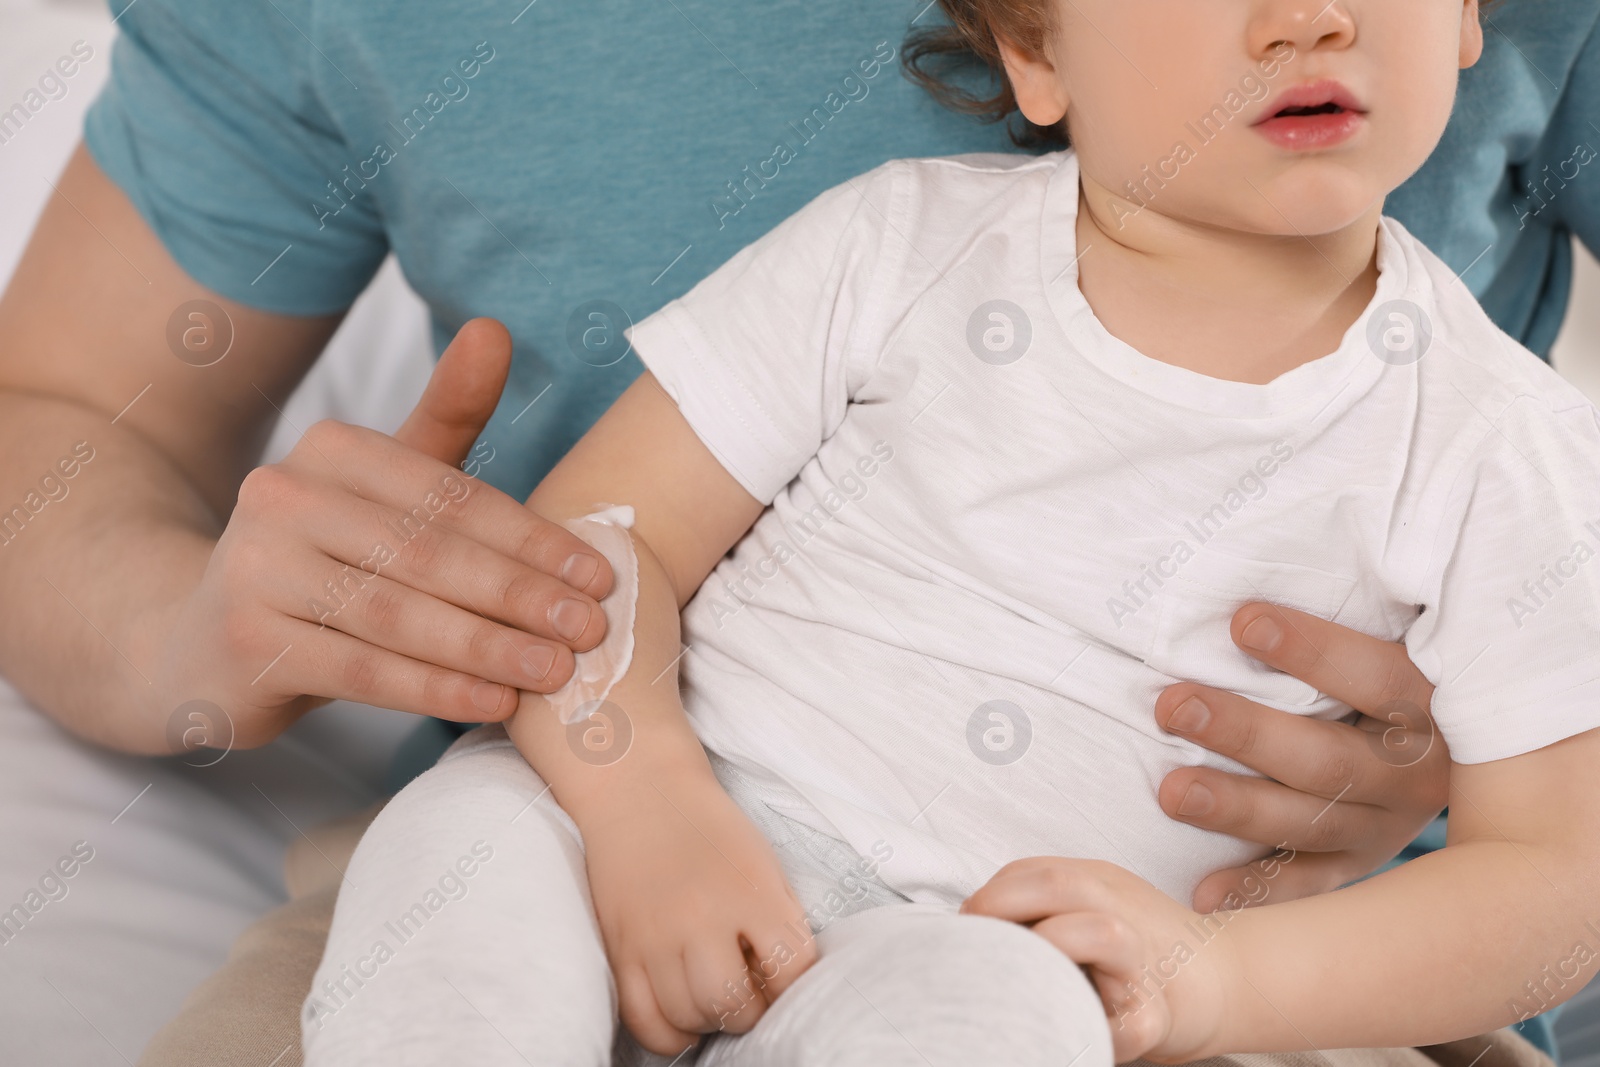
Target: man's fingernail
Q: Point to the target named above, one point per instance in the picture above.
(1190, 717)
(1197, 800)
(1263, 635)
(537, 661)
(570, 618)
(579, 568)
(486, 696)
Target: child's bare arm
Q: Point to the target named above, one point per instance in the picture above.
(700, 924)
(1459, 942)
(1446, 945)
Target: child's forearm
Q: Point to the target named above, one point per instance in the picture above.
(597, 767)
(688, 511)
(1445, 946)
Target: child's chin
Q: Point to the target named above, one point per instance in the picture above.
(1315, 196)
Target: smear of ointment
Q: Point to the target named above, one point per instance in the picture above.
(600, 668)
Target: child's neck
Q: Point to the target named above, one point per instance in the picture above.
(1223, 303)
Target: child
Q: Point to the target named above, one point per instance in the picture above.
(950, 475)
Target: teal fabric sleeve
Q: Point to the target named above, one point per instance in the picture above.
(213, 123)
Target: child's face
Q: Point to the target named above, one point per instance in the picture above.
(1177, 97)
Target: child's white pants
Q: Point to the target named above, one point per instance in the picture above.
(464, 934)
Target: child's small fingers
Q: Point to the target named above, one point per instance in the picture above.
(778, 954)
(669, 981)
(643, 1016)
(728, 997)
(1026, 891)
(1097, 939)
(1138, 1018)
(1137, 1028)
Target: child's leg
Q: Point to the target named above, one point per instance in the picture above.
(464, 931)
(916, 984)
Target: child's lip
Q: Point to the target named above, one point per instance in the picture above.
(1309, 133)
(1311, 94)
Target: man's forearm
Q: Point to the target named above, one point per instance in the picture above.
(94, 566)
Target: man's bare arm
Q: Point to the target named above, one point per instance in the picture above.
(102, 571)
(164, 569)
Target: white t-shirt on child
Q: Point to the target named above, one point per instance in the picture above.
(997, 532)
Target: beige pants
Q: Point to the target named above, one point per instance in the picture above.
(248, 1013)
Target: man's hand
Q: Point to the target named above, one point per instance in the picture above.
(699, 921)
(133, 607)
(369, 568)
(1345, 797)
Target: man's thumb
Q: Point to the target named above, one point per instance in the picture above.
(462, 393)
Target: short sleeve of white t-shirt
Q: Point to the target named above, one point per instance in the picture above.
(764, 354)
(1510, 633)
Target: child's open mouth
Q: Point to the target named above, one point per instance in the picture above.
(1320, 109)
(1317, 115)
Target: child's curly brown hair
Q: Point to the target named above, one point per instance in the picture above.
(935, 56)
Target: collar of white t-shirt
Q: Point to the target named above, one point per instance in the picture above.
(1344, 373)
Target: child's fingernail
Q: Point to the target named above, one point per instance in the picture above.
(1190, 717)
(1263, 635)
(1197, 800)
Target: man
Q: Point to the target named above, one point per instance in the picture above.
(564, 169)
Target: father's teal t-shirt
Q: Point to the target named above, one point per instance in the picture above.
(568, 166)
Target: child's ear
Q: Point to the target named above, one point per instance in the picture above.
(1471, 34)
(1036, 84)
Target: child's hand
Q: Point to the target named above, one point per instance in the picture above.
(700, 924)
(1162, 970)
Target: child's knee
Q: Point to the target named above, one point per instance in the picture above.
(971, 989)
(480, 780)
(1003, 971)
(466, 901)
